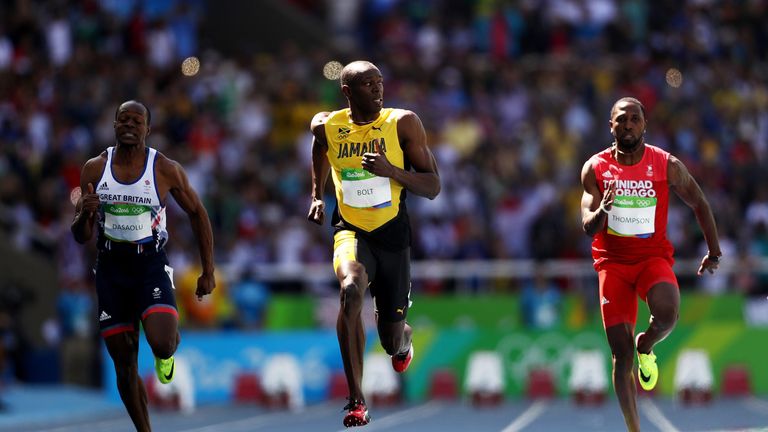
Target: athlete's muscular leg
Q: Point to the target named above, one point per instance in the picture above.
(623, 352)
(353, 281)
(162, 330)
(395, 337)
(124, 349)
(664, 304)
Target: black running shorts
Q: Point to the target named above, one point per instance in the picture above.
(131, 285)
(389, 273)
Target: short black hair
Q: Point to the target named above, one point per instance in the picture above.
(630, 100)
(149, 113)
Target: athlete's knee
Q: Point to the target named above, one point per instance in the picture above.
(665, 317)
(351, 298)
(622, 350)
(623, 360)
(664, 303)
(123, 349)
(392, 336)
(126, 369)
(163, 346)
(392, 343)
(392, 346)
(351, 294)
(164, 349)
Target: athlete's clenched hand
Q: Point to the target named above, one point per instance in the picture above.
(317, 212)
(205, 285)
(89, 201)
(378, 164)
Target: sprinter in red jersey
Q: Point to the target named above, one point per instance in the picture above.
(624, 207)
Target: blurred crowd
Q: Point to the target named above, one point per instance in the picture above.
(514, 95)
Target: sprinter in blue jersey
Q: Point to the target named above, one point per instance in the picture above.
(123, 193)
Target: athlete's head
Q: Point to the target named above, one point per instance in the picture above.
(628, 123)
(362, 84)
(132, 121)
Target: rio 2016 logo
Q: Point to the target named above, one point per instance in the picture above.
(644, 203)
(522, 352)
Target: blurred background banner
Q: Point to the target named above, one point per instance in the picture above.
(452, 328)
(216, 359)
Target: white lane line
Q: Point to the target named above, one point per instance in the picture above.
(757, 405)
(656, 417)
(527, 417)
(96, 426)
(401, 417)
(259, 420)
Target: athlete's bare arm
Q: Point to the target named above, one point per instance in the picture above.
(685, 186)
(173, 177)
(321, 167)
(88, 203)
(424, 180)
(594, 205)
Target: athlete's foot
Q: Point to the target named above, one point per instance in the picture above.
(357, 413)
(400, 362)
(647, 369)
(164, 369)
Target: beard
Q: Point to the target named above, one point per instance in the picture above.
(627, 144)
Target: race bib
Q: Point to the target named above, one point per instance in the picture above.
(632, 216)
(127, 222)
(365, 190)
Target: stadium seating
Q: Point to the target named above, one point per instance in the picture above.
(282, 382)
(337, 387)
(541, 384)
(484, 382)
(443, 385)
(247, 388)
(693, 377)
(381, 384)
(178, 395)
(736, 381)
(588, 381)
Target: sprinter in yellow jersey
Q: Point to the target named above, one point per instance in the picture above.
(374, 155)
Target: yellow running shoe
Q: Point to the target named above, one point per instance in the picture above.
(647, 369)
(164, 369)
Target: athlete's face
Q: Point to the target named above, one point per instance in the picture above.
(366, 91)
(131, 126)
(627, 126)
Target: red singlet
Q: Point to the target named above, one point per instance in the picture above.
(637, 223)
(632, 252)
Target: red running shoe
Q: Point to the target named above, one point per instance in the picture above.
(400, 362)
(357, 414)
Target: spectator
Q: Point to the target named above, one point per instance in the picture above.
(251, 298)
(540, 301)
(76, 311)
(510, 94)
